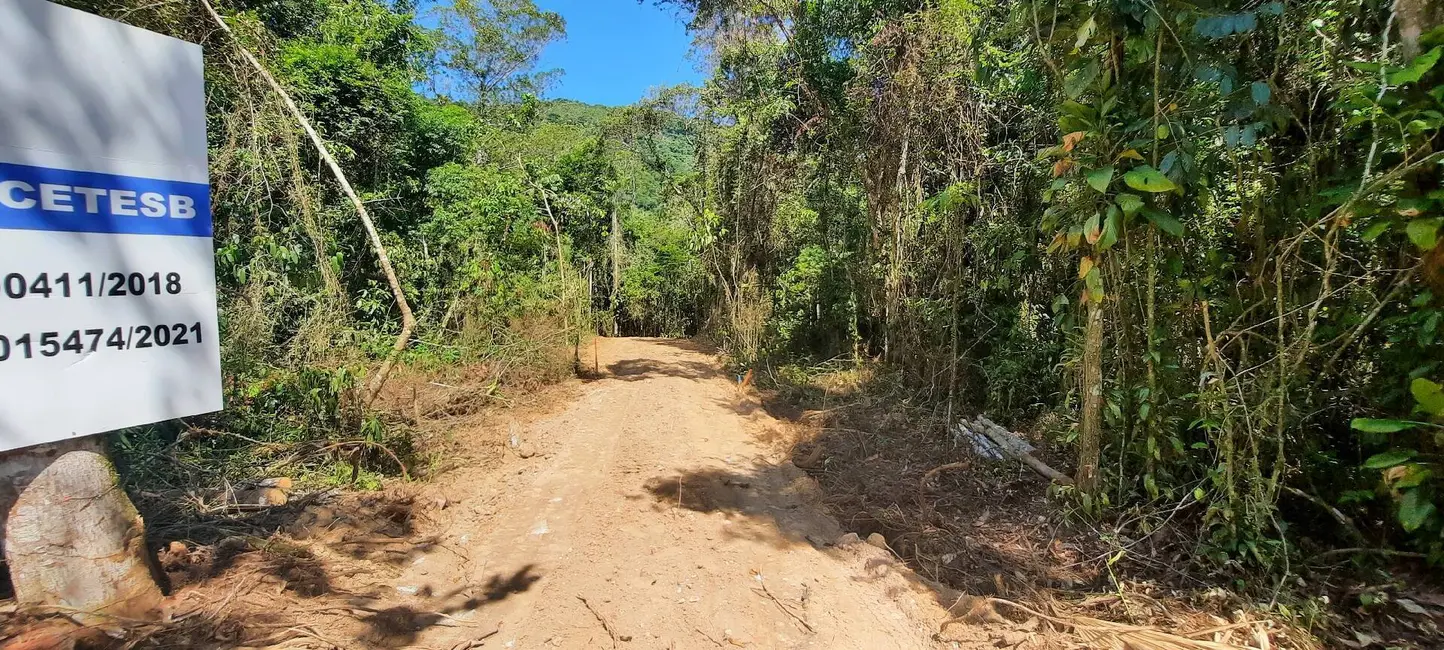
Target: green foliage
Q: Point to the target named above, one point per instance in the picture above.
(813, 306)
(283, 424)
(492, 204)
(662, 277)
(1246, 192)
(1147, 179)
(440, 133)
(487, 49)
(1410, 479)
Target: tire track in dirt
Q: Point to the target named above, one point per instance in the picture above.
(652, 496)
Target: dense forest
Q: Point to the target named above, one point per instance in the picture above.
(1193, 243)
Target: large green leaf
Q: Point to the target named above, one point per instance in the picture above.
(1094, 282)
(1424, 232)
(1071, 123)
(1374, 230)
(1416, 68)
(1429, 395)
(1078, 81)
(1390, 458)
(1129, 202)
(1085, 32)
(1112, 227)
(1414, 509)
(1108, 104)
(1415, 474)
(1260, 92)
(1225, 25)
(1231, 136)
(1371, 425)
(1164, 221)
(1099, 178)
(1147, 179)
(1080, 111)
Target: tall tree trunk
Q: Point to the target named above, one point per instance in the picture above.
(616, 246)
(955, 260)
(1151, 305)
(1090, 385)
(572, 335)
(953, 333)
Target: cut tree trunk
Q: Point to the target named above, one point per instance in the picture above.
(73, 540)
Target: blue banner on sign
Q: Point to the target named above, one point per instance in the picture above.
(61, 200)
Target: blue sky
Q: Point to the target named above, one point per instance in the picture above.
(616, 50)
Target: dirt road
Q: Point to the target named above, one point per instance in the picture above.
(650, 512)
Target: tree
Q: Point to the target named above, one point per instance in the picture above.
(487, 49)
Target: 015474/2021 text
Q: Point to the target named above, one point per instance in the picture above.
(33, 345)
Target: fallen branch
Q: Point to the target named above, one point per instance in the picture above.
(605, 625)
(294, 632)
(367, 443)
(782, 607)
(408, 321)
(1338, 515)
(1100, 633)
(478, 641)
(377, 539)
(1008, 441)
(708, 637)
(1013, 446)
(932, 473)
(1386, 552)
(810, 462)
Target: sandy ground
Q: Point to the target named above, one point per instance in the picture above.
(650, 512)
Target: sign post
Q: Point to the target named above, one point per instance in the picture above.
(107, 286)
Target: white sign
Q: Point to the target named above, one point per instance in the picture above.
(107, 271)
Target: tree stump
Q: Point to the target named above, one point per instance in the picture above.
(73, 540)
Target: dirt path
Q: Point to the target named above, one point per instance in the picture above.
(653, 496)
